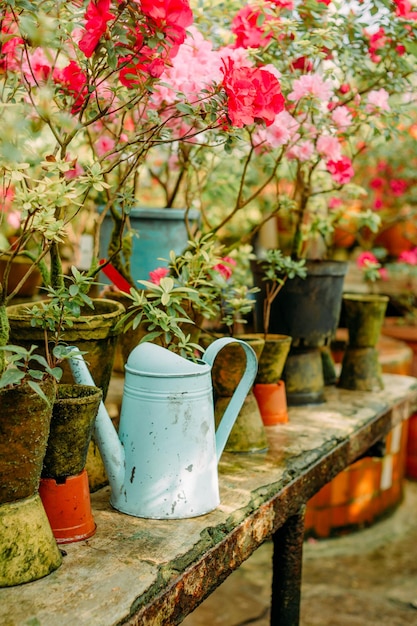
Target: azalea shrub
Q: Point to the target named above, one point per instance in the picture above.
(388, 174)
(338, 76)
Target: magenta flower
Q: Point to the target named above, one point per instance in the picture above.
(341, 170)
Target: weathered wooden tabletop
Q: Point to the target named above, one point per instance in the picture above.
(139, 571)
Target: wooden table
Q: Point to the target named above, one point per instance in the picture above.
(148, 572)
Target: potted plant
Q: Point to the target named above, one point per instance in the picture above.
(27, 392)
(89, 104)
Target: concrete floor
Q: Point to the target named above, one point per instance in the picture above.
(367, 578)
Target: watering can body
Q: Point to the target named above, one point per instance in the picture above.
(168, 449)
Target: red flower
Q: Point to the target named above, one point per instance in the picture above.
(254, 94)
(97, 16)
(377, 183)
(398, 186)
(172, 17)
(302, 63)
(249, 29)
(225, 267)
(73, 81)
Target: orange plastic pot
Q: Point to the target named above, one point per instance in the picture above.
(68, 507)
(272, 402)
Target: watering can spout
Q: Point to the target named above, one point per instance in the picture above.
(105, 435)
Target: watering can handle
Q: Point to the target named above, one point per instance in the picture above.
(241, 391)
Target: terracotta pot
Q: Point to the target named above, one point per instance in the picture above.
(399, 237)
(272, 402)
(68, 507)
(28, 548)
(272, 359)
(20, 267)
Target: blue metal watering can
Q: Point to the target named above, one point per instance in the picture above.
(163, 463)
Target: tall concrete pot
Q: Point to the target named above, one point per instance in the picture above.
(28, 550)
(361, 368)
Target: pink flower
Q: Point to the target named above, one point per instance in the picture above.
(341, 170)
(342, 117)
(253, 94)
(285, 4)
(377, 41)
(311, 85)
(376, 183)
(225, 268)
(365, 259)
(38, 68)
(377, 101)
(334, 202)
(104, 144)
(279, 133)
(157, 274)
(329, 147)
(404, 9)
(172, 17)
(409, 257)
(193, 68)
(303, 151)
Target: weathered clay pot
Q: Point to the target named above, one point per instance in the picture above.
(306, 309)
(73, 415)
(273, 357)
(24, 429)
(20, 268)
(94, 332)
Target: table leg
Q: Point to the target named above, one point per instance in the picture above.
(286, 575)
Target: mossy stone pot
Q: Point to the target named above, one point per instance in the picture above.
(24, 429)
(361, 369)
(273, 358)
(94, 332)
(74, 412)
(28, 549)
(364, 315)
